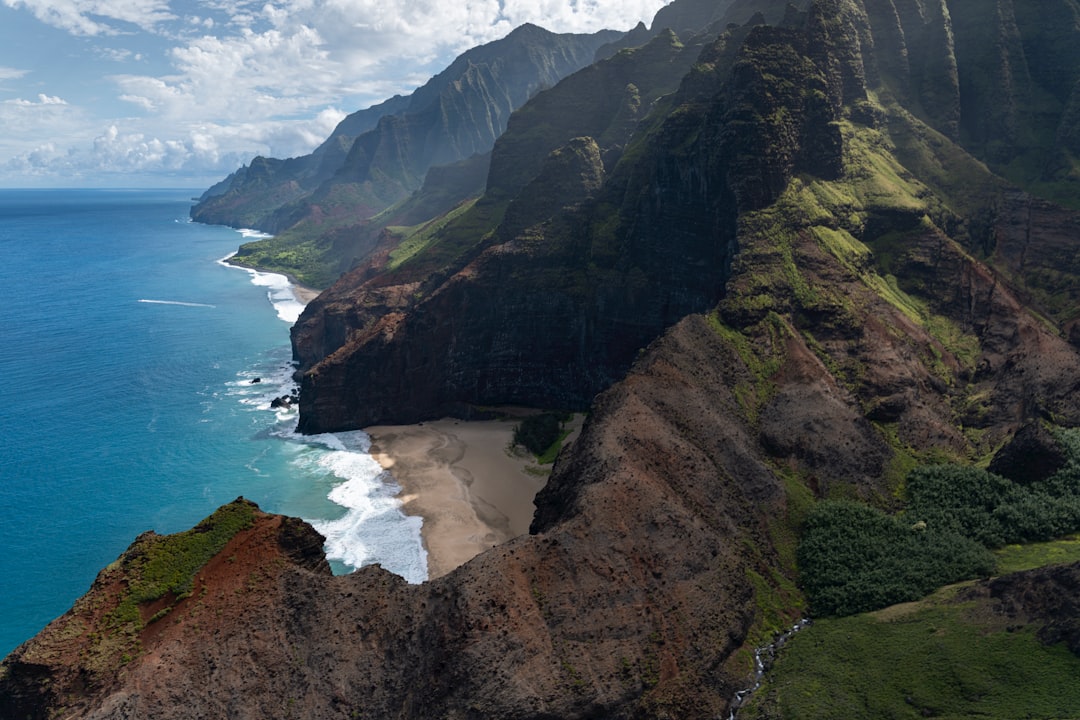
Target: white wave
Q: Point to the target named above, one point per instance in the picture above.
(259, 388)
(279, 289)
(373, 529)
(177, 302)
(250, 234)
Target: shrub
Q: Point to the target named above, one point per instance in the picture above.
(537, 433)
(854, 558)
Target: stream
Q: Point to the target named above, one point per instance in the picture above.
(764, 657)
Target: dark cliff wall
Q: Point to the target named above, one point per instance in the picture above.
(580, 291)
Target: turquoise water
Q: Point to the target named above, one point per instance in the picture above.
(127, 357)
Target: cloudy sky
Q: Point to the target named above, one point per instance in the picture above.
(179, 93)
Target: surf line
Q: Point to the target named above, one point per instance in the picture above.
(177, 302)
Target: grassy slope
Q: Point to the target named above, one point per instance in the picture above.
(938, 657)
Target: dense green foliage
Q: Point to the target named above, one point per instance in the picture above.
(854, 558)
(991, 509)
(537, 433)
(938, 659)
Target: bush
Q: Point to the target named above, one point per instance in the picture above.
(853, 558)
(537, 433)
(962, 500)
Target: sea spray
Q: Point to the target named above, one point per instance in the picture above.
(373, 529)
(279, 290)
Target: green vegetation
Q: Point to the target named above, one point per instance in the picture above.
(541, 434)
(153, 575)
(160, 567)
(440, 246)
(415, 239)
(992, 510)
(1014, 558)
(168, 564)
(289, 254)
(854, 558)
(937, 658)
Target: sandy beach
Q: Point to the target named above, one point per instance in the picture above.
(463, 480)
(303, 293)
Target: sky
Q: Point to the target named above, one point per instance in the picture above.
(179, 93)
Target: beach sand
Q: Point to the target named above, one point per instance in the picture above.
(303, 293)
(463, 480)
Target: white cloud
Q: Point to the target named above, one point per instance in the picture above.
(7, 73)
(43, 99)
(97, 17)
(119, 55)
(27, 121)
(253, 77)
(203, 153)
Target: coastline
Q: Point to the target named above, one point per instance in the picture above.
(303, 293)
(463, 480)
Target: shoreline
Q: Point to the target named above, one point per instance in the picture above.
(463, 480)
(304, 294)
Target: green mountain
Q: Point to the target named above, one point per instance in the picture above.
(813, 274)
(379, 156)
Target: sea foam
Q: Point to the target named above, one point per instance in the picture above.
(373, 529)
(279, 289)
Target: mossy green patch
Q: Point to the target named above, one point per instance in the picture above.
(416, 238)
(1014, 558)
(778, 603)
(168, 564)
(762, 359)
(160, 566)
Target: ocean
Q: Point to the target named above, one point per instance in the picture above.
(138, 373)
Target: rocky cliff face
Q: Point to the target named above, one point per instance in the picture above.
(385, 151)
(550, 313)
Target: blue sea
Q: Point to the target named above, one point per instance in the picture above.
(129, 354)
